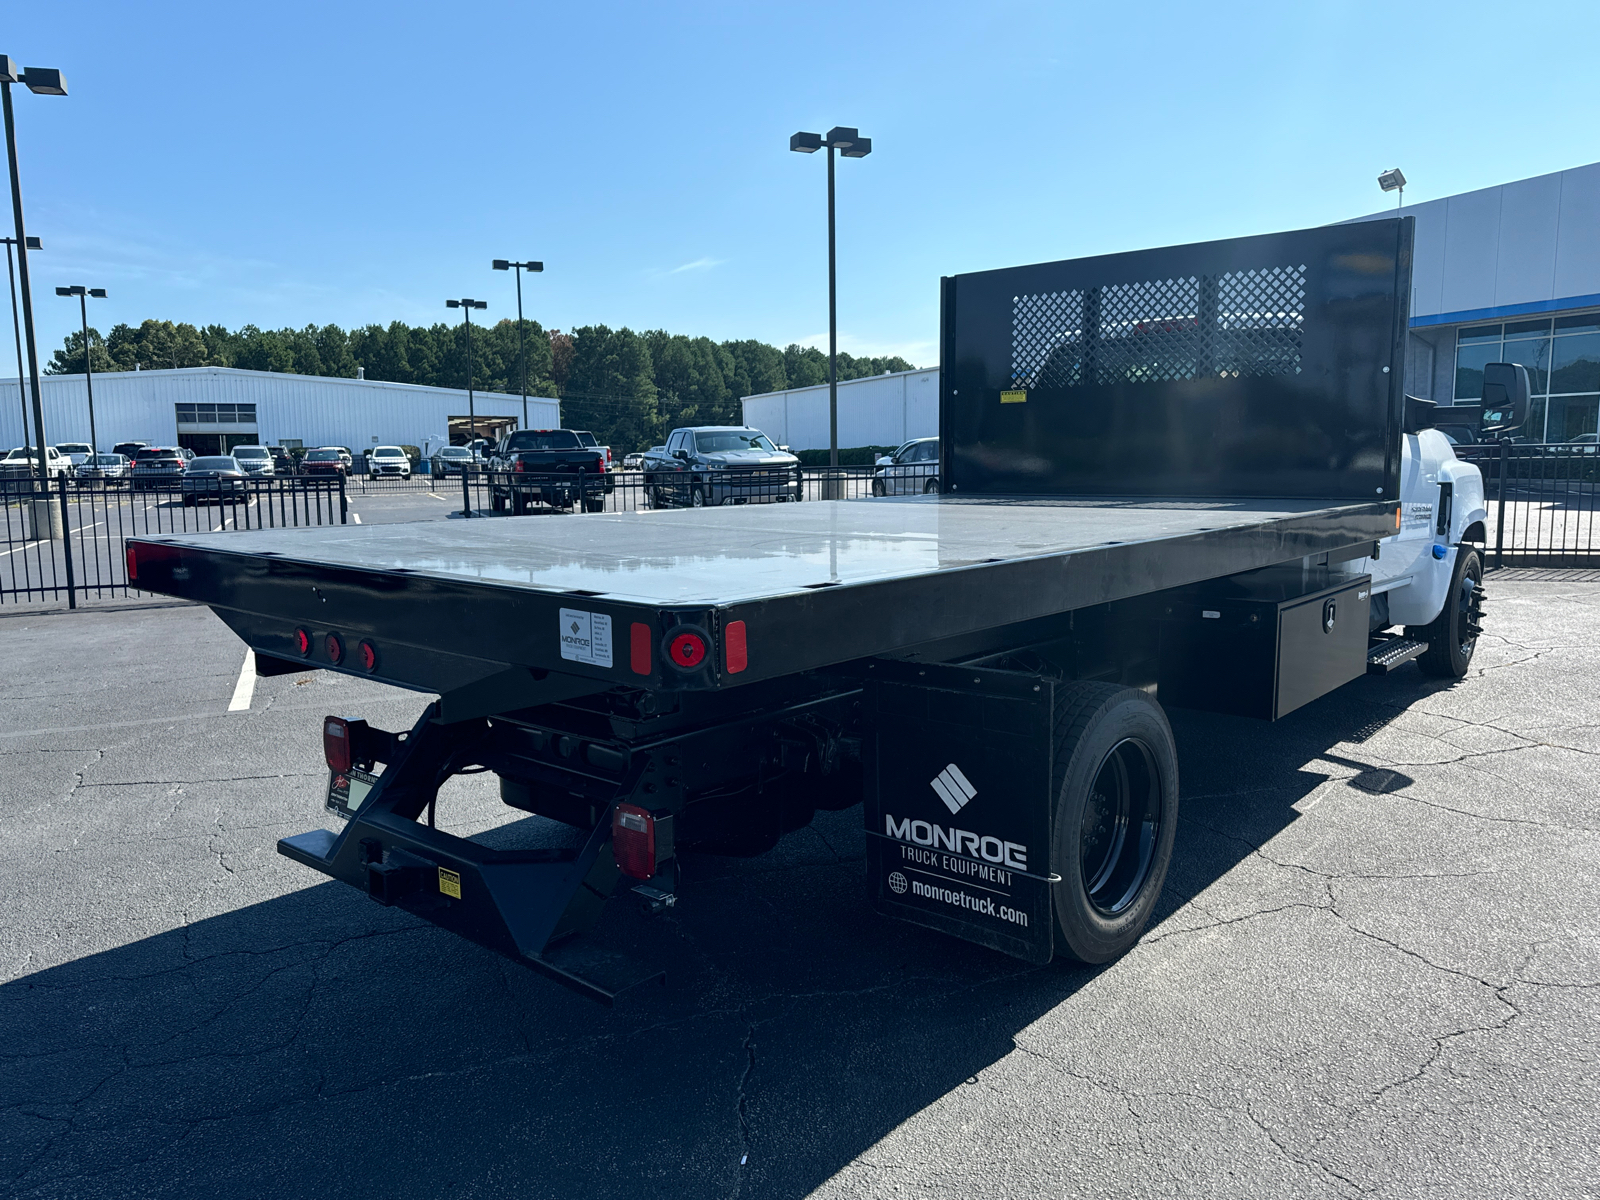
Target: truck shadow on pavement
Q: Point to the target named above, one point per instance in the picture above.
(318, 1044)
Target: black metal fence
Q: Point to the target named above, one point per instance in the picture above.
(71, 543)
(485, 493)
(1542, 501)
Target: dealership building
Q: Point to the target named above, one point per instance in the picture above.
(212, 409)
(1503, 274)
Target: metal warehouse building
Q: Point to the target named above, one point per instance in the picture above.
(1503, 274)
(212, 409)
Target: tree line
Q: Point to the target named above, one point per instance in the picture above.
(628, 387)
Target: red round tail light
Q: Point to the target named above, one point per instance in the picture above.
(369, 655)
(302, 642)
(334, 647)
(686, 649)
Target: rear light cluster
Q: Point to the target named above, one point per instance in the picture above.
(640, 841)
(687, 648)
(336, 743)
(333, 648)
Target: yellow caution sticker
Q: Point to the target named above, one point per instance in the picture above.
(1019, 397)
(450, 883)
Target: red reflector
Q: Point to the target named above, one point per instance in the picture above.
(133, 565)
(633, 841)
(369, 656)
(639, 640)
(687, 650)
(336, 743)
(733, 644)
(334, 647)
(302, 641)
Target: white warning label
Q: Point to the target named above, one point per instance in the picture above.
(586, 637)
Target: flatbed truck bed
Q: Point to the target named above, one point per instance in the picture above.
(1186, 476)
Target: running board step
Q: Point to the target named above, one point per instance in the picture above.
(1386, 656)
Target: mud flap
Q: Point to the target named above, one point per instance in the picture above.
(958, 804)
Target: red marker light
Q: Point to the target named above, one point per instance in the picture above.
(334, 648)
(302, 642)
(686, 650)
(639, 640)
(733, 645)
(369, 656)
(133, 565)
(336, 743)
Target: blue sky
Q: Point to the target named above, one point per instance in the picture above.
(292, 163)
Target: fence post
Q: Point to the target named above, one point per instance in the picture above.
(66, 544)
(1500, 514)
(344, 503)
(466, 490)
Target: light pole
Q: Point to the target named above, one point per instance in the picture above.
(852, 145)
(83, 294)
(42, 81)
(466, 306)
(502, 264)
(16, 329)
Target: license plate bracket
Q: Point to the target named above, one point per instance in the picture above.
(347, 789)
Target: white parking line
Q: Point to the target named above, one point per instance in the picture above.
(245, 689)
(356, 517)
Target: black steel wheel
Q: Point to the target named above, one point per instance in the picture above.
(1453, 635)
(1116, 815)
(877, 487)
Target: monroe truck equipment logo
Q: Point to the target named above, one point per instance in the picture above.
(957, 841)
(953, 788)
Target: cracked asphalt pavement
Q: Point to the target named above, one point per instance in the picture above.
(1375, 970)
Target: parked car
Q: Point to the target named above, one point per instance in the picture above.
(720, 464)
(909, 471)
(111, 469)
(389, 460)
(588, 439)
(634, 461)
(128, 449)
(449, 460)
(482, 448)
(214, 477)
(255, 460)
(23, 462)
(282, 460)
(187, 454)
(324, 461)
(157, 467)
(77, 454)
(548, 466)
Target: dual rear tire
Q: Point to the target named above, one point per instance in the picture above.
(1116, 786)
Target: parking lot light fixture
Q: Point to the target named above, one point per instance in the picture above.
(466, 305)
(505, 264)
(44, 81)
(848, 142)
(83, 294)
(1394, 181)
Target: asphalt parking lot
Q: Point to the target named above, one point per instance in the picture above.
(1374, 971)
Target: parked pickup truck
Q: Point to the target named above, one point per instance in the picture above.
(547, 466)
(720, 464)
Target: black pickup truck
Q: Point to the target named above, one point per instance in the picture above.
(547, 466)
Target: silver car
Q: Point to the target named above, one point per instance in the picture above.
(910, 471)
(255, 461)
(108, 468)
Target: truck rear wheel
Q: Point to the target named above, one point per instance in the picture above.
(1116, 815)
(1453, 634)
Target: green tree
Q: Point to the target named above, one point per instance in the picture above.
(262, 350)
(757, 368)
(611, 388)
(69, 360)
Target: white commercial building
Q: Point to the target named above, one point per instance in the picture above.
(212, 409)
(1509, 273)
(879, 410)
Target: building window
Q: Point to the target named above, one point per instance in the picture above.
(216, 414)
(1562, 355)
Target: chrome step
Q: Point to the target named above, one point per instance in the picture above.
(1387, 655)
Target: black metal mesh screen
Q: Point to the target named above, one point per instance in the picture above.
(1156, 331)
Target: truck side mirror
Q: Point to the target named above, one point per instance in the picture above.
(683, 454)
(1506, 397)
